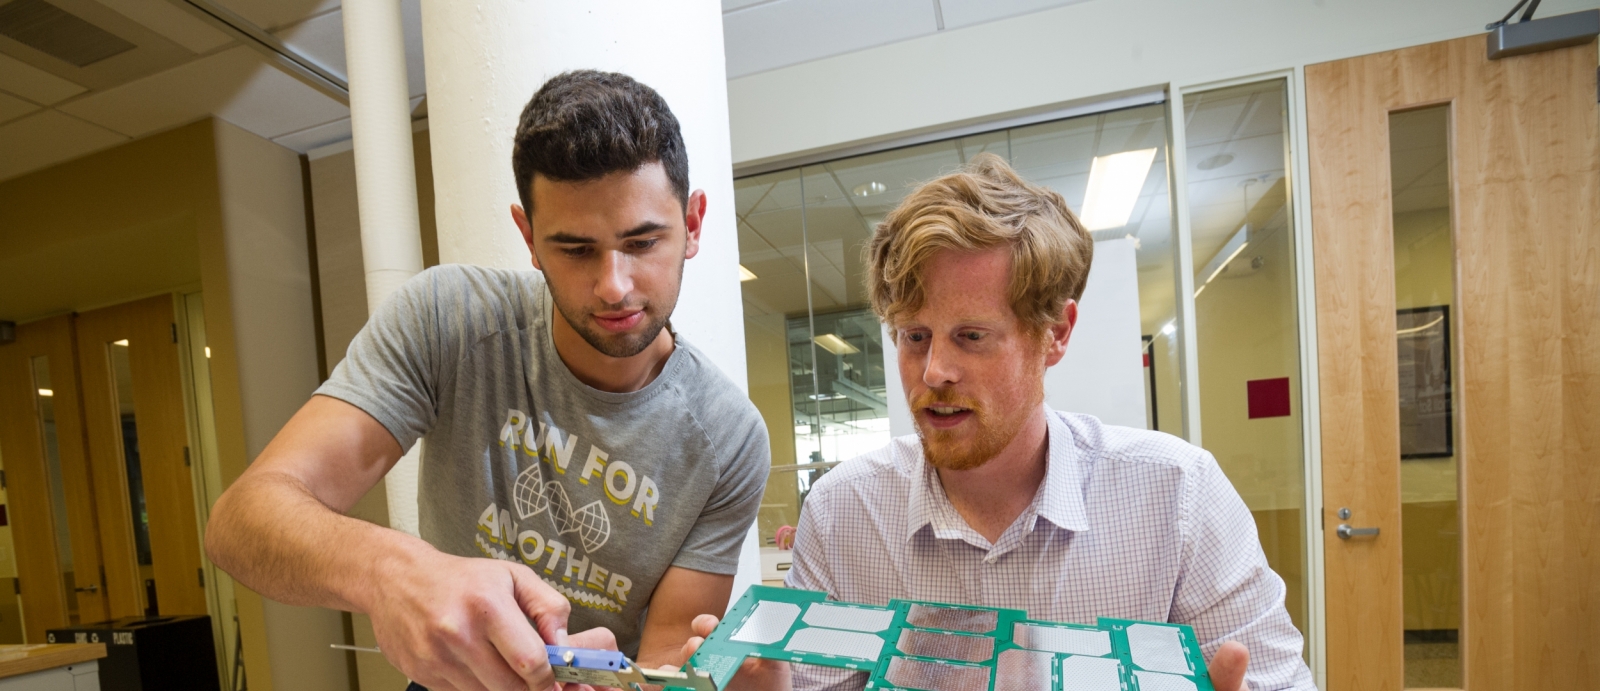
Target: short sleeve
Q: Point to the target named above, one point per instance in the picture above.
(1227, 592)
(392, 368)
(713, 544)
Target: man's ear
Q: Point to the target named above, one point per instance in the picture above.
(1060, 332)
(694, 216)
(519, 217)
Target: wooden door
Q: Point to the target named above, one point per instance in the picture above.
(1525, 185)
(40, 427)
(138, 436)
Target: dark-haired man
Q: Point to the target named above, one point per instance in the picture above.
(582, 460)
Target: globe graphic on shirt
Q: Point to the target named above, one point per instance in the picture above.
(533, 496)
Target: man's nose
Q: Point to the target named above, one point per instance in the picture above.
(615, 280)
(941, 368)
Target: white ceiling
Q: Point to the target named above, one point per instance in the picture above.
(182, 70)
(760, 35)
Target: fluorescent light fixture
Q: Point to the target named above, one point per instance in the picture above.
(833, 344)
(46, 393)
(123, 343)
(1114, 185)
(870, 189)
(208, 352)
(746, 274)
(1219, 262)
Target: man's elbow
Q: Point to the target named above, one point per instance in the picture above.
(221, 527)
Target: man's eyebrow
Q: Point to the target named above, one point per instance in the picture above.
(642, 229)
(569, 239)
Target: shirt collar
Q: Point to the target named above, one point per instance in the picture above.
(1061, 501)
(1060, 498)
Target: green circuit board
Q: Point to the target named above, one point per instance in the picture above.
(929, 646)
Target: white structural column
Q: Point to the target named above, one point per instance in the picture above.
(386, 185)
(486, 59)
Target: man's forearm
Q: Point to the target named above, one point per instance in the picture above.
(271, 534)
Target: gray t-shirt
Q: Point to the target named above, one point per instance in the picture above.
(597, 492)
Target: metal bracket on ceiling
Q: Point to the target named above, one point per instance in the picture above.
(277, 53)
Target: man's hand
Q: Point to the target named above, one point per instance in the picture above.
(457, 624)
(1228, 665)
(755, 674)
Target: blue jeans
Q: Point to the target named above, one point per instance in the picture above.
(415, 687)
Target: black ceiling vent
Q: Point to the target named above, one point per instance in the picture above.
(51, 30)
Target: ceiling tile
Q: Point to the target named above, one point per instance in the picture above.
(321, 39)
(235, 85)
(960, 13)
(12, 107)
(172, 22)
(310, 138)
(47, 138)
(275, 14)
(33, 83)
(787, 32)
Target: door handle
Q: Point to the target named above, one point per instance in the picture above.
(1346, 532)
(91, 589)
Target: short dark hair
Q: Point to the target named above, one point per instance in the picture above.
(586, 124)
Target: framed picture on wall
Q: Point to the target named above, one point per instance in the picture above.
(1426, 410)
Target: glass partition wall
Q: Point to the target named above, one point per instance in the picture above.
(816, 353)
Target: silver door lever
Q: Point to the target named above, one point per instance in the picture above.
(1346, 532)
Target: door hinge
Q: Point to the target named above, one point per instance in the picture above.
(2, 479)
(18, 583)
(186, 457)
(174, 332)
(202, 574)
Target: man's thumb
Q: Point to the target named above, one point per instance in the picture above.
(542, 604)
(1228, 666)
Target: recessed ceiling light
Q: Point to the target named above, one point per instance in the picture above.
(123, 343)
(1215, 162)
(46, 393)
(833, 344)
(746, 274)
(1114, 185)
(868, 189)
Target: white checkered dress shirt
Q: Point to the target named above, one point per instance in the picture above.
(1127, 524)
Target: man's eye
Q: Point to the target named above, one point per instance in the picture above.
(915, 337)
(645, 244)
(972, 335)
(578, 251)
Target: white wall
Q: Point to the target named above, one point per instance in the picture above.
(1102, 373)
(1070, 53)
(269, 275)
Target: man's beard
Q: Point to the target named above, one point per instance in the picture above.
(623, 345)
(944, 450)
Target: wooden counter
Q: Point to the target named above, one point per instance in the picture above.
(17, 660)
